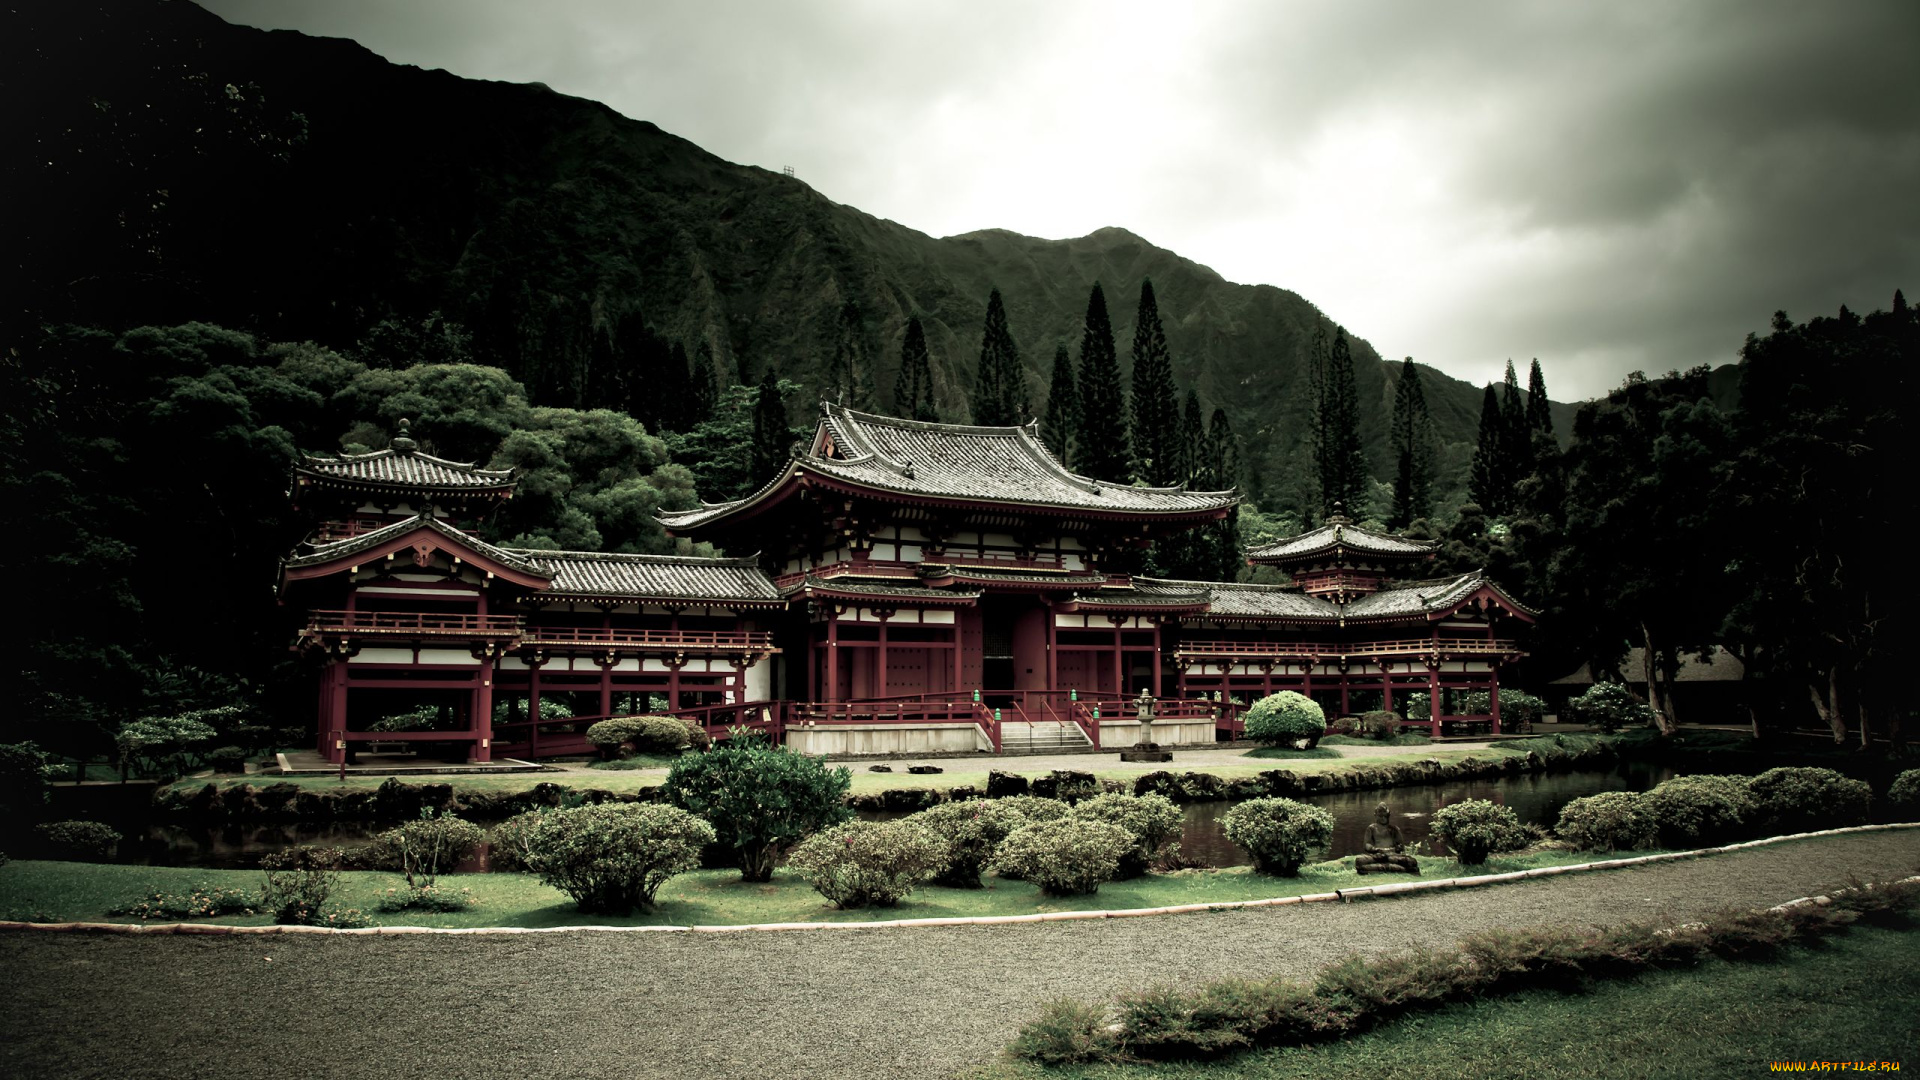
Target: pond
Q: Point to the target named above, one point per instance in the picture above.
(1535, 798)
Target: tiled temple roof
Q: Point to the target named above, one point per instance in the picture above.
(878, 589)
(653, 577)
(1340, 534)
(402, 467)
(315, 554)
(1258, 601)
(1150, 593)
(1012, 575)
(996, 465)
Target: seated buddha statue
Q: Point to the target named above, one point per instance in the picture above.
(1383, 854)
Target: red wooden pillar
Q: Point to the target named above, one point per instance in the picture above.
(1119, 666)
(482, 720)
(606, 683)
(1433, 700)
(1053, 654)
(880, 664)
(1344, 709)
(959, 670)
(337, 707)
(1386, 687)
(833, 659)
(1493, 695)
(533, 706)
(1156, 659)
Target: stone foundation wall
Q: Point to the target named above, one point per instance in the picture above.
(892, 740)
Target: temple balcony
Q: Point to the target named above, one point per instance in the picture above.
(412, 625)
(1321, 650)
(618, 639)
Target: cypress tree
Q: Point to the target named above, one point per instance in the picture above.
(1488, 485)
(1102, 452)
(1155, 406)
(1059, 427)
(1514, 423)
(703, 392)
(772, 439)
(1000, 388)
(1342, 466)
(913, 389)
(1539, 409)
(1193, 452)
(1412, 438)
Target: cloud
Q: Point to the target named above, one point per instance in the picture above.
(1605, 186)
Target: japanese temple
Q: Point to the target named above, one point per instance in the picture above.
(915, 587)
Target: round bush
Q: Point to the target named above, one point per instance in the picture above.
(662, 735)
(509, 842)
(228, 759)
(611, 735)
(1278, 834)
(1035, 807)
(1286, 719)
(697, 737)
(761, 798)
(1152, 819)
(1609, 821)
(612, 858)
(869, 863)
(1476, 828)
(1379, 725)
(429, 847)
(1064, 857)
(1609, 707)
(1799, 799)
(79, 840)
(1905, 791)
(971, 830)
(1696, 811)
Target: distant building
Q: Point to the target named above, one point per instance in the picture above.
(1704, 691)
(917, 587)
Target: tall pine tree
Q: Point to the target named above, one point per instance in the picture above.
(1514, 422)
(1060, 424)
(1336, 427)
(1539, 409)
(1489, 482)
(1193, 448)
(913, 389)
(772, 438)
(1412, 438)
(1155, 412)
(1103, 452)
(1000, 387)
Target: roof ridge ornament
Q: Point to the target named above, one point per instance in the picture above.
(402, 443)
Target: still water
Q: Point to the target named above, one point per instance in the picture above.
(1535, 798)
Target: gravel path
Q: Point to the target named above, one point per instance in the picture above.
(853, 1003)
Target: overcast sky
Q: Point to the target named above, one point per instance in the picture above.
(1610, 186)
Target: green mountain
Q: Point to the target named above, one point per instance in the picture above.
(305, 188)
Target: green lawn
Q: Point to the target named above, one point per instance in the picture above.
(84, 892)
(1852, 999)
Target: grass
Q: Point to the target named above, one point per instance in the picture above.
(1850, 999)
(84, 892)
(637, 761)
(1403, 739)
(1288, 753)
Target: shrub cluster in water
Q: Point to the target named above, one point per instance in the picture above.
(1704, 811)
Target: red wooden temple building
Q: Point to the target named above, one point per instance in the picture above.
(917, 587)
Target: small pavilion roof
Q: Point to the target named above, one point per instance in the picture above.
(1339, 535)
(402, 467)
(1434, 597)
(912, 460)
(319, 554)
(878, 592)
(668, 578)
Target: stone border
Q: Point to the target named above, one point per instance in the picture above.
(1404, 888)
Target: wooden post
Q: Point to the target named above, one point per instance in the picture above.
(880, 665)
(833, 659)
(1386, 687)
(1156, 659)
(533, 707)
(338, 722)
(1053, 654)
(1119, 666)
(482, 720)
(1493, 694)
(959, 670)
(1433, 699)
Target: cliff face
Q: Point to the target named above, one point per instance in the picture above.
(304, 188)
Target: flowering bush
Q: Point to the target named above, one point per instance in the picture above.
(1278, 834)
(612, 858)
(429, 847)
(1694, 810)
(199, 902)
(1609, 821)
(81, 840)
(424, 898)
(1286, 719)
(299, 881)
(1153, 820)
(869, 863)
(1798, 798)
(1064, 857)
(971, 830)
(1476, 828)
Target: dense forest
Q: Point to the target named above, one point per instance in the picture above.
(246, 246)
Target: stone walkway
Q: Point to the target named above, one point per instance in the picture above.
(914, 1004)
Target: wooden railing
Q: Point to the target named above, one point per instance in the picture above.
(413, 623)
(708, 640)
(1402, 647)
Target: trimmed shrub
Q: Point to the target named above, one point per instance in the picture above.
(1799, 799)
(613, 858)
(424, 898)
(199, 902)
(662, 735)
(971, 830)
(697, 738)
(759, 798)
(1696, 811)
(610, 737)
(1286, 719)
(1476, 828)
(164, 745)
(299, 882)
(1067, 1032)
(1278, 834)
(1035, 808)
(1609, 821)
(228, 759)
(1609, 707)
(1153, 820)
(78, 840)
(429, 847)
(509, 844)
(1905, 791)
(1379, 725)
(1064, 858)
(869, 863)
